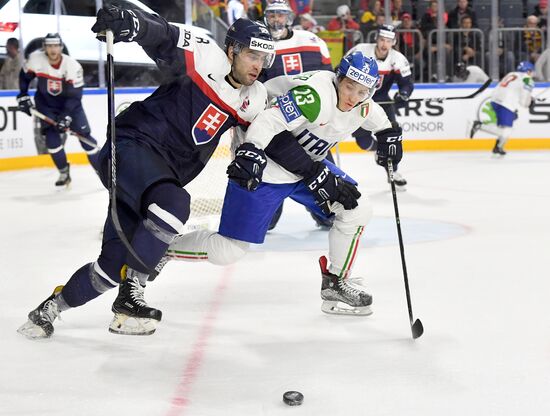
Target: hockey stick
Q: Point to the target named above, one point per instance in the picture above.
(440, 99)
(416, 326)
(111, 133)
(52, 122)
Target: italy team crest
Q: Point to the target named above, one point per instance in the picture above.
(208, 124)
(365, 109)
(292, 64)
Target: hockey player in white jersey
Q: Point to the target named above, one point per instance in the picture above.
(312, 113)
(296, 51)
(393, 67)
(513, 91)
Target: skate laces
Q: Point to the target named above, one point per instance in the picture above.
(50, 311)
(137, 292)
(351, 287)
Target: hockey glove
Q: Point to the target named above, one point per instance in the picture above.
(389, 146)
(125, 24)
(400, 98)
(63, 123)
(248, 166)
(24, 103)
(327, 188)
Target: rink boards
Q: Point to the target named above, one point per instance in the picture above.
(427, 125)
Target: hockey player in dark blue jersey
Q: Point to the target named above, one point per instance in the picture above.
(58, 96)
(393, 68)
(297, 51)
(162, 143)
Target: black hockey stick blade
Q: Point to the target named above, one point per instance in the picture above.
(475, 93)
(483, 87)
(417, 329)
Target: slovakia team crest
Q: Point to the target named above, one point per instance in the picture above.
(208, 124)
(292, 64)
(54, 86)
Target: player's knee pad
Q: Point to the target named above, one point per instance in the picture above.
(167, 209)
(347, 221)
(53, 141)
(224, 250)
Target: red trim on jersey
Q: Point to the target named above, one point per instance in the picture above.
(324, 59)
(44, 75)
(397, 71)
(207, 89)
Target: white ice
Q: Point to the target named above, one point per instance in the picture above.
(234, 339)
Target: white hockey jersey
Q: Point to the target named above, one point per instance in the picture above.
(51, 79)
(513, 91)
(307, 107)
(395, 68)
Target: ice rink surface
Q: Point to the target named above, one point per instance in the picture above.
(234, 339)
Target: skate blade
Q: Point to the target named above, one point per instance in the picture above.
(333, 307)
(128, 325)
(32, 331)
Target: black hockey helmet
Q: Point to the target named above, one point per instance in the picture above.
(52, 39)
(460, 70)
(250, 34)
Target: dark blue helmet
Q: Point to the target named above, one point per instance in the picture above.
(361, 69)
(525, 66)
(250, 34)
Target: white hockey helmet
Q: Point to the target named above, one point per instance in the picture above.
(274, 8)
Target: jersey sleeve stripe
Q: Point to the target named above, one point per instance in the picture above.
(207, 89)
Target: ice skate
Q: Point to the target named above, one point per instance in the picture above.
(341, 296)
(399, 181)
(476, 125)
(132, 314)
(40, 323)
(64, 177)
(497, 150)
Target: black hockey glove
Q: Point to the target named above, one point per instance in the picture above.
(248, 166)
(125, 24)
(327, 188)
(24, 103)
(400, 98)
(389, 146)
(63, 123)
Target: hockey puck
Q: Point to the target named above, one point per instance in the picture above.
(293, 398)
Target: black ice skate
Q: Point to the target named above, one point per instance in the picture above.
(64, 177)
(132, 314)
(40, 323)
(475, 128)
(497, 150)
(342, 297)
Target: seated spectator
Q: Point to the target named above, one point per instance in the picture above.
(466, 43)
(532, 39)
(369, 15)
(308, 22)
(343, 20)
(462, 9)
(397, 11)
(300, 7)
(410, 44)
(541, 11)
(428, 22)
